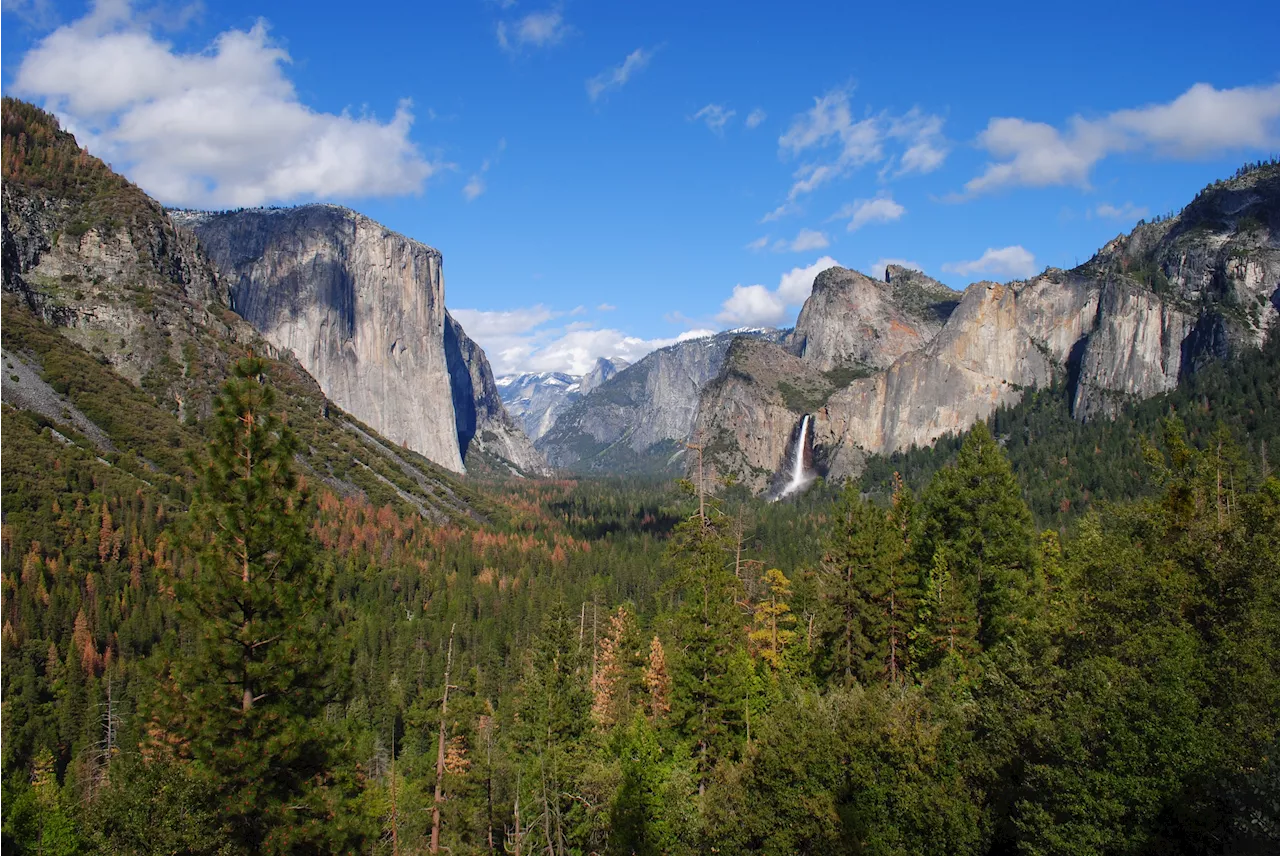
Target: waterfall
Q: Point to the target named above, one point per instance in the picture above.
(800, 477)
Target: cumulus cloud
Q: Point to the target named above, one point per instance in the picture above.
(829, 127)
(617, 77)
(1127, 211)
(756, 118)
(716, 116)
(879, 265)
(752, 305)
(1201, 121)
(220, 127)
(535, 30)
(524, 340)
(1014, 262)
(863, 212)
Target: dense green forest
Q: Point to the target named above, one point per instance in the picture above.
(248, 663)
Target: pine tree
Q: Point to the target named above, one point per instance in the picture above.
(247, 702)
(868, 593)
(975, 510)
(707, 692)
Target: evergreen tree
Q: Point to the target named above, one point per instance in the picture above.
(974, 510)
(247, 702)
(707, 687)
(868, 593)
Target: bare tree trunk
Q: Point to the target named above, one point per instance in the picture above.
(444, 707)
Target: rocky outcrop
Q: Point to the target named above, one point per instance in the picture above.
(483, 424)
(131, 289)
(601, 372)
(853, 320)
(361, 307)
(1001, 339)
(1147, 310)
(748, 414)
(639, 419)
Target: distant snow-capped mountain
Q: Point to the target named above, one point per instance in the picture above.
(536, 399)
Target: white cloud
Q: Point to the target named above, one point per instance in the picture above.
(606, 307)
(716, 116)
(576, 351)
(474, 187)
(756, 118)
(863, 212)
(616, 78)
(927, 148)
(1202, 121)
(220, 127)
(1013, 262)
(758, 244)
(484, 324)
(829, 125)
(751, 305)
(1127, 211)
(535, 30)
(794, 285)
(1037, 155)
(879, 265)
(519, 340)
(808, 239)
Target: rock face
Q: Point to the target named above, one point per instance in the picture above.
(748, 415)
(538, 399)
(361, 307)
(1147, 310)
(639, 419)
(854, 320)
(116, 277)
(483, 424)
(363, 310)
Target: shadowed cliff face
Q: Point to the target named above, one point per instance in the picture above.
(360, 306)
(482, 421)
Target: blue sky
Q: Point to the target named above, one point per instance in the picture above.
(604, 177)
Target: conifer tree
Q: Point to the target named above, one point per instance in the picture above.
(868, 592)
(247, 702)
(707, 696)
(975, 510)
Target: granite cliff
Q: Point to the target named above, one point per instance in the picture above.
(854, 320)
(118, 332)
(1147, 310)
(362, 308)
